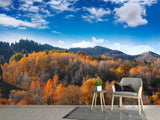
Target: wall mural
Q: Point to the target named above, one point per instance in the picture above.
(52, 52)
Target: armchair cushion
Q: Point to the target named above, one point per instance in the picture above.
(126, 93)
(128, 88)
(118, 87)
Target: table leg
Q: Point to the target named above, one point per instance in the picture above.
(101, 101)
(93, 100)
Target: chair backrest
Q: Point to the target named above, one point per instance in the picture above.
(135, 83)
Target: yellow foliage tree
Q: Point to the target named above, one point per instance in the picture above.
(59, 94)
(49, 90)
(71, 95)
(3, 101)
(22, 102)
(86, 90)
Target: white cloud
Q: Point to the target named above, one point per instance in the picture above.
(62, 5)
(21, 28)
(131, 49)
(83, 44)
(131, 13)
(95, 14)
(47, 12)
(88, 18)
(13, 22)
(25, 4)
(33, 16)
(33, 9)
(56, 32)
(69, 16)
(34, 12)
(97, 40)
(10, 21)
(5, 4)
(116, 1)
(98, 12)
(28, 5)
(146, 2)
(39, 20)
(61, 42)
(37, 0)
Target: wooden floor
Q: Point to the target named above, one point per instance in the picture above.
(54, 112)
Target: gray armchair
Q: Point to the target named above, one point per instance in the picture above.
(136, 84)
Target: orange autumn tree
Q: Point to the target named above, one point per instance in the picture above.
(34, 87)
(35, 93)
(49, 90)
(69, 95)
(86, 90)
(59, 94)
(22, 102)
(72, 95)
(156, 98)
(3, 101)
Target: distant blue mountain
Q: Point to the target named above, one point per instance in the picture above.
(98, 50)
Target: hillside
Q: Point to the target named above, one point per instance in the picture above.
(42, 76)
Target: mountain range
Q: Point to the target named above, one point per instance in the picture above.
(29, 46)
(98, 50)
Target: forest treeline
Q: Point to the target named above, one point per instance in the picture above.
(23, 46)
(51, 77)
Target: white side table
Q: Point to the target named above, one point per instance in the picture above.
(102, 100)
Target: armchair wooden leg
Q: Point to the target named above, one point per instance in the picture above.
(120, 102)
(112, 102)
(142, 105)
(139, 109)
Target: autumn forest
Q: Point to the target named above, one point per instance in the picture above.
(52, 77)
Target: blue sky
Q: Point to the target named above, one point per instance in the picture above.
(131, 26)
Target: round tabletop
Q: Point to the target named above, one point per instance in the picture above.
(98, 91)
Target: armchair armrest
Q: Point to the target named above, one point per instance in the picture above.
(113, 89)
(140, 92)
